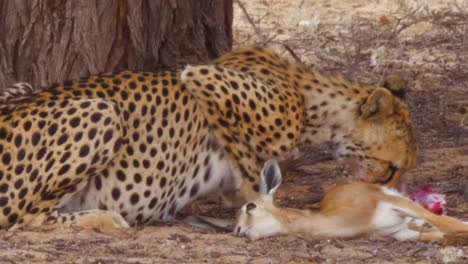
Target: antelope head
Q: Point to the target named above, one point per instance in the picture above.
(261, 218)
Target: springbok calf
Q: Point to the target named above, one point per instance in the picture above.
(347, 210)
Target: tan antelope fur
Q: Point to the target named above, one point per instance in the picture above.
(347, 210)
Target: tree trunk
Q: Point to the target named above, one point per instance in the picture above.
(42, 42)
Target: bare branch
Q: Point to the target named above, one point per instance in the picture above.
(293, 54)
(250, 20)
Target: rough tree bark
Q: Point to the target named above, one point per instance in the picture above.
(43, 42)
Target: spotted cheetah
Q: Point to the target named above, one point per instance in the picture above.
(135, 147)
(15, 92)
(261, 106)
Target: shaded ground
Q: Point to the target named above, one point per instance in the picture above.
(366, 40)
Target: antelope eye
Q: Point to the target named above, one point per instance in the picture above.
(251, 206)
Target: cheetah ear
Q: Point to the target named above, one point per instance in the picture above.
(270, 179)
(396, 85)
(379, 105)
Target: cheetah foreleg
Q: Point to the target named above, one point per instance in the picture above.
(92, 219)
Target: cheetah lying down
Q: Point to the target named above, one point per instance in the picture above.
(136, 147)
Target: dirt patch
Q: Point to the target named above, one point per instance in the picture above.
(423, 41)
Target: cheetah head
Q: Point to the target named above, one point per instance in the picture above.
(382, 145)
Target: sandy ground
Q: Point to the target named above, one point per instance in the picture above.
(423, 41)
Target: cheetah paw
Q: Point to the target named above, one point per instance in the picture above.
(101, 220)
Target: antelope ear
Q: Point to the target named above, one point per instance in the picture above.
(270, 179)
(379, 104)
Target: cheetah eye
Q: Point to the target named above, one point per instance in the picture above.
(392, 169)
(250, 207)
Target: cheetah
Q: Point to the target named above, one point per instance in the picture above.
(260, 107)
(115, 149)
(15, 92)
